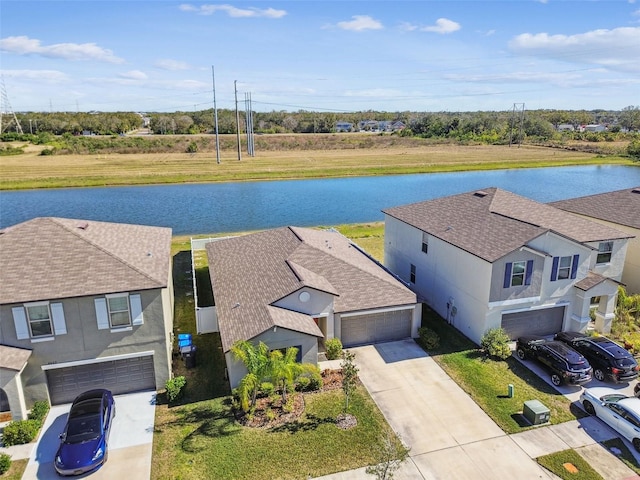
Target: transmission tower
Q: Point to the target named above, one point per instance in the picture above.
(518, 110)
(7, 111)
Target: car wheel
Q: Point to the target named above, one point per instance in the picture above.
(521, 354)
(599, 374)
(588, 406)
(556, 380)
(636, 444)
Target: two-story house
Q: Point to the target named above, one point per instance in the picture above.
(296, 287)
(83, 305)
(490, 258)
(619, 209)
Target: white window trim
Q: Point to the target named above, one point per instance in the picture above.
(26, 311)
(523, 274)
(118, 295)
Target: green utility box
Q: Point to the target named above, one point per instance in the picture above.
(536, 412)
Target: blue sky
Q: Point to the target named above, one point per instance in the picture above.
(320, 55)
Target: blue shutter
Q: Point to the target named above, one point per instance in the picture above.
(554, 269)
(59, 325)
(102, 314)
(136, 309)
(20, 322)
(574, 267)
(529, 272)
(507, 275)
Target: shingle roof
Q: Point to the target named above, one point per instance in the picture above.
(591, 280)
(621, 206)
(252, 272)
(491, 223)
(50, 258)
(13, 358)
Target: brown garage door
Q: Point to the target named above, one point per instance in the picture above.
(119, 376)
(542, 322)
(376, 327)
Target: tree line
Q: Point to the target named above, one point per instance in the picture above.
(492, 124)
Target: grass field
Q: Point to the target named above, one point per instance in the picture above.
(30, 170)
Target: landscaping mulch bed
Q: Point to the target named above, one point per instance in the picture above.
(270, 412)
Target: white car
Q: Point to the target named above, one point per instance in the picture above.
(620, 412)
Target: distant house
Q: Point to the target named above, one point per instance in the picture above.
(565, 127)
(621, 210)
(297, 287)
(594, 128)
(490, 258)
(344, 127)
(368, 125)
(83, 305)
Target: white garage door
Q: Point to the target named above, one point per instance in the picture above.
(119, 376)
(542, 322)
(376, 327)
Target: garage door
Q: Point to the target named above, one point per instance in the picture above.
(543, 322)
(377, 327)
(119, 376)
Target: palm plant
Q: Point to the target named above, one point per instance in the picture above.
(256, 360)
(285, 369)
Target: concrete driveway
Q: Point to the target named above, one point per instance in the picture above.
(130, 442)
(449, 435)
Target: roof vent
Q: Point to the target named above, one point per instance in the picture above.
(83, 226)
(480, 193)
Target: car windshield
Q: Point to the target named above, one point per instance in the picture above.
(612, 397)
(82, 429)
(578, 366)
(625, 362)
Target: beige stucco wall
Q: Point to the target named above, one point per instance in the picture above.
(84, 341)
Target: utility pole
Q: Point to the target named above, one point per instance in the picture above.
(235, 88)
(6, 109)
(249, 122)
(520, 108)
(215, 115)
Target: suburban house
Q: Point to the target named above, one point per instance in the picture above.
(83, 305)
(490, 258)
(297, 287)
(620, 210)
(344, 127)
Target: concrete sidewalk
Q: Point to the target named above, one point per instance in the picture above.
(451, 437)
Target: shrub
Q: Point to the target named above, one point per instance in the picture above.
(39, 410)
(192, 147)
(47, 151)
(302, 384)
(495, 343)
(20, 432)
(267, 389)
(429, 339)
(334, 348)
(5, 462)
(174, 387)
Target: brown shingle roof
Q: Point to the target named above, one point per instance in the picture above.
(49, 258)
(251, 272)
(13, 358)
(491, 223)
(621, 206)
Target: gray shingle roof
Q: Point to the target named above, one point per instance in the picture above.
(491, 223)
(13, 358)
(621, 206)
(51, 258)
(251, 272)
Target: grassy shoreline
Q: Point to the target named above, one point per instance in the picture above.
(33, 171)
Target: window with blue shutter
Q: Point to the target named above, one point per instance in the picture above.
(507, 275)
(554, 269)
(528, 273)
(564, 268)
(574, 266)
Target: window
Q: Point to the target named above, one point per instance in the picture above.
(425, 244)
(564, 268)
(518, 273)
(39, 320)
(604, 252)
(118, 311)
(412, 274)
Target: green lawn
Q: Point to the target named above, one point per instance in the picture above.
(556, 462)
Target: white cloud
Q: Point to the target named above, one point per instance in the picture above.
(233, 11)
(52, 76)
(407, 27)
(443, 26)
(23, 45)
(616, 48)
(169, 64)
(133, 75)
(361, 23)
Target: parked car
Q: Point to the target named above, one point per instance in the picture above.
(83, 442)
(609, 360)
(565, 364)
(620, 412)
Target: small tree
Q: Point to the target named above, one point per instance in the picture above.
(256, 360)
(349, 376)
(285, 369)
(495, 343)
(334, 348)
(390, 453)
